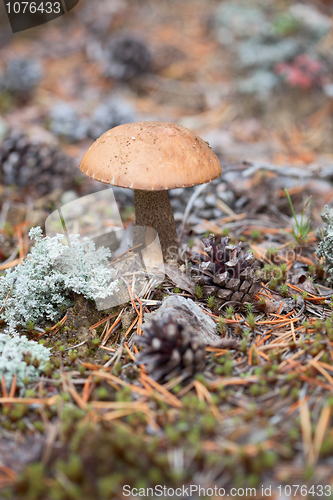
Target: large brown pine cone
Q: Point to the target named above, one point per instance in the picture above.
(224, 272)
(170, 349)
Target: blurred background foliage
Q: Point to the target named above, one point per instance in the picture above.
(206, 66)
(253, 78)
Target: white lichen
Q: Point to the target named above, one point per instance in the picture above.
(40, 287)
(26, 359)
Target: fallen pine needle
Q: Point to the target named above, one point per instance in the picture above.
(112, 327)
(224, 381)
(263, 355)
(13, 263)
(132, 298)
(8, 472)
(296, 405)
(119, 381)
(321, 428)
(322, 371)
(92, 366)
(131, 355)
(55, 328)
(130, 328)
(112, 415)
(204, 394)
(30, 401)
(294, 356)
(99, 323)
(293, 331)
(249, 362)
(306, 431)
(12, 388)
(87, 389)
(139, 331)
(118, 405)
(173, 400)
(3, 386)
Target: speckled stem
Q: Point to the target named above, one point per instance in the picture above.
(153, 209)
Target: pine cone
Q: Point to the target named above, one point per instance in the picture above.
(21, 76)
(224, 273)
(127, 56)
(65, 122)
(113, 112)
(170, 349)
(35, 166)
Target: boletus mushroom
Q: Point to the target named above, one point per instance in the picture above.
(151, 158)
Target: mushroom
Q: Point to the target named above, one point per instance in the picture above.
(152, 157)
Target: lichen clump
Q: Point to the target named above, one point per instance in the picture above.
(40, 287)
(27, 359)
(325, 247)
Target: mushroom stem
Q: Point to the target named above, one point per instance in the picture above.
(153, 209)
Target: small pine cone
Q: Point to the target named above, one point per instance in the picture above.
(21, 76)
(170, 349)
(224, 273)
(113, 112)
(34, 166)
(65, 122)
(126, 57)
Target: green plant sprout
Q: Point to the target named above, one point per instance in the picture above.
(211, 302)
(229, 312)
(248, 308)
(303, 228)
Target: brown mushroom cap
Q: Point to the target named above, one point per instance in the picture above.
(152, 156)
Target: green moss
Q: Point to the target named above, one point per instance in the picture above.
(39, 426)
(228, 366)
(222, 325)
(73, 468)
(255, 234)
(229, 312)
(219, 370)
(108, 486)
(211, 303)
(251, 320)
(248, 308)
(31, 483)
(273, 283)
